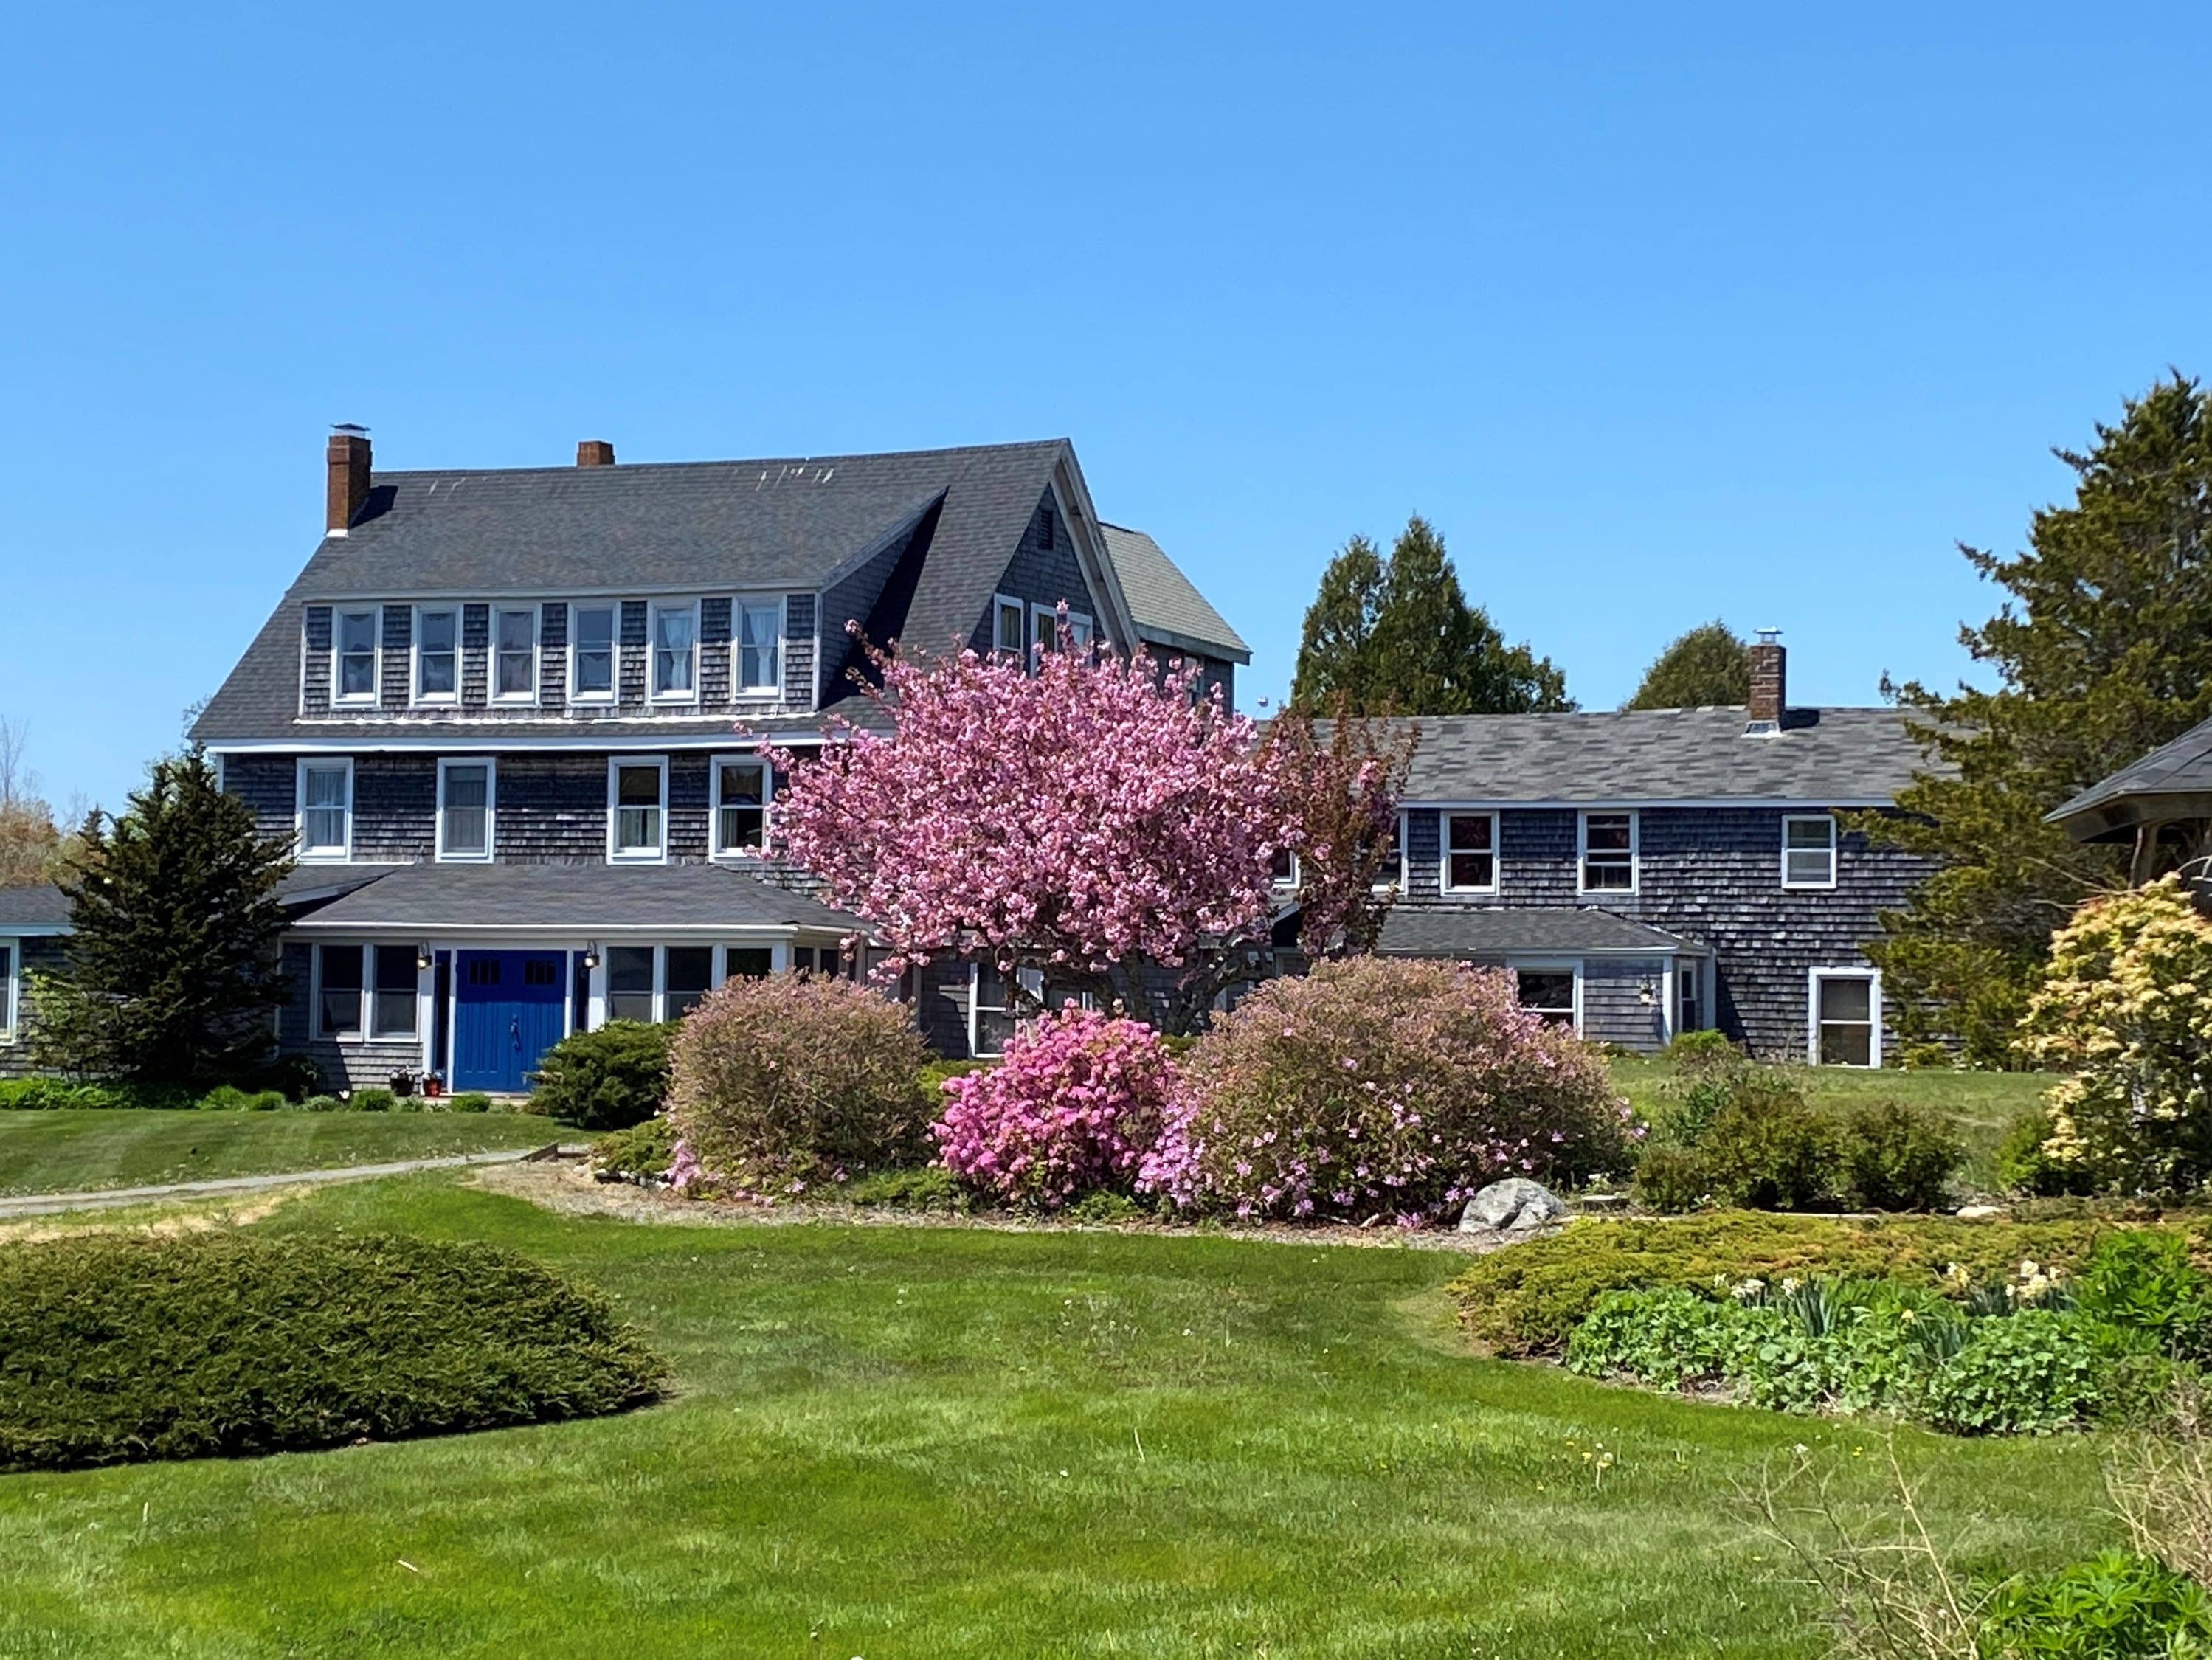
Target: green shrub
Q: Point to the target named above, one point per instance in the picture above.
(1106, 1205)
(1671, 1179)
(322, 1104)
(781, 1083)
(2027, 1374)
(1699, 1046)
(922, 1188)
(1765, 1148)
(2025, 1165)
(2143, 1281)
(607, 1080)
(372, 1100)
(116, 1349)
(47, 1094)
(469, 1101)
(2113, 1606)
(225, 1098)
(1899, 1157)
(641, 1151)
(1526, 1300)
(934, 1073)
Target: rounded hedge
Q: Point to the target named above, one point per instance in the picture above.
(119, 1348)
(605, 1080)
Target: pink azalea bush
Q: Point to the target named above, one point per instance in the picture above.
(1073, 1109)
(1381, 1086)
(779, 1084)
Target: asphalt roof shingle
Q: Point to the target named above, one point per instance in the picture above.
(2182, 767)
(39, 906)
(1166, 608)
(1433, 931)
(571, 899)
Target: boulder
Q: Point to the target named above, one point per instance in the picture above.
(1515, 1205)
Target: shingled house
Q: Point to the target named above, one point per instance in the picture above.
(1653, 872)
(494, 713)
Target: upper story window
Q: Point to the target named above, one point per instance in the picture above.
(7, 991)
(1608, 853)
(675, 635)
(325, 790)
(1009, 627)
(355, 633)
(637, 809)
(514, 654)
(1808, 851)
(592, 654)
(1390, 869)
(743, 786)
(1078, 631)
(1470, 853)
(437, 656)
(1044, 627)
(464, 810)
(760, 646)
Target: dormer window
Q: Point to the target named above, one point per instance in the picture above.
(591, 654)
(675, 653)
(760, 647)
(356, 680)
(437, 657)
(514, 654)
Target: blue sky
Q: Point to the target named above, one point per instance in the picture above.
(1660, 313)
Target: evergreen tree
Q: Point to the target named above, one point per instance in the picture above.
(1398, 636)
(171, 972)
(1703, 667)
(2103, 651)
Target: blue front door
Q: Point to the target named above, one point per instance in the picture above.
(508, 1009)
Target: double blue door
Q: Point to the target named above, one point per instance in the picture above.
(508, 1009)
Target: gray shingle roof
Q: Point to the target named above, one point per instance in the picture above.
(1167, 609)
(1431, 931)
(570, 899)
(2173, 780)
(1829, 757)
(40, 906)
(539, 531)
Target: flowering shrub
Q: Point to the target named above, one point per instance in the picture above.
(1073, 1108)
(1381, 1086)
(781, 1083)
(2125, 1007)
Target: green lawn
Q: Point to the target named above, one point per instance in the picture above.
(1983, 1104)
(936, 1441)
(74, 1151)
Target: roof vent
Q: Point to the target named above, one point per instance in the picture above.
(1770, 694)
(595, 453)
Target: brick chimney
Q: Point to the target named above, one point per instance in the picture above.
(1769, 690)
(349, 464)
(595, 453)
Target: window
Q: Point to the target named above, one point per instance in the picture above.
(1808, 851)
(1846, 1018)
(1009, 632)
(356, 680)
(629, 982)
(747, 963)
(1550, 992)
(392, 1013)
(437, 656)
(991, 1006)
(1690, 997)
(1044, 627)
(742, 786)
(1283, 868)
(637, 808)
(760, 646)
(1078, 631)
(337, 991)
(802, 959)
(591, 654)
(1390, 869)
(1608, 856)
(675, 641)
(7, 991)
(326, 810)
(464, 810)
(688, 977)
(514, 655)
(1470, 853)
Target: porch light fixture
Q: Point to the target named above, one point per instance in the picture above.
(592, 955)
(423, 958)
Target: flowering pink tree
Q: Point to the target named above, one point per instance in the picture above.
(1087, 817)
(1341, 783)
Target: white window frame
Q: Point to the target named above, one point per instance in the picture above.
(11, 979)
(1814, 979)
(1444, 884)
(658, 855)
(715, 764)
(1081, 630)
(375, 694)
(1044, 627)
(537, 615)
(1570, 966)
(316, 1029)
(613, 608)
(1029, 978)
(739, 686)
(433, 699)
(490, 764)
(370, 1025)
(305, 855)
(1394, 879)
(1835, 851)
(1635, 849)
(1001, 604)
(716, 961)
(653, 613)
(1291, 883)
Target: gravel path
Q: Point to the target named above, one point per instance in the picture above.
(47, 1204)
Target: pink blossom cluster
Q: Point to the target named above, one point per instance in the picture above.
(1072, 1109)
(1380, 1087)
(1080, 810)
